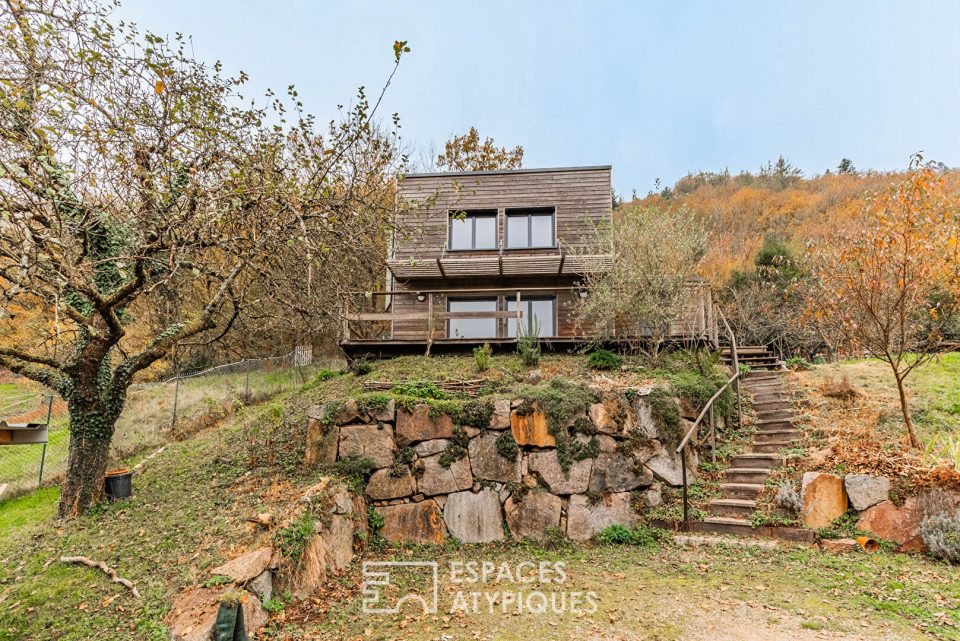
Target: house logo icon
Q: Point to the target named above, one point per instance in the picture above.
(420, 577)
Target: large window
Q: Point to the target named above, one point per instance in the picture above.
(475, 229)
(472, 327)
(538, 316)
(529, 228)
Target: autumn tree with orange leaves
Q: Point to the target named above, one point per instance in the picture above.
(469, 153)
(889, 285)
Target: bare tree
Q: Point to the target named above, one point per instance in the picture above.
(891, 284)
(145, 204)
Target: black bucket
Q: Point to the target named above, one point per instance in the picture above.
(118, 484)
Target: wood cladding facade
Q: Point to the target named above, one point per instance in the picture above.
(581, 198)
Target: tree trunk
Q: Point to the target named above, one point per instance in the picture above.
(82, 487)
(905, 408)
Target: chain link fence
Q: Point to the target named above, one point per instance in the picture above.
(154, 413)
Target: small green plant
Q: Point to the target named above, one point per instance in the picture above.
(216, 580)
(292, 540)
(483, 355)
(354, 470)
(375, 525)
(402, 460)
(325, 375)
(456, 449)
(604, 359)
(361, 367)
(528, 344)
(425, 389)
(476, 413)
(507, 446)
(274, 606)
(666, 413)
(798, 363)
(641, 535)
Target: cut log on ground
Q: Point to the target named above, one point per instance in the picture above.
(106, 570)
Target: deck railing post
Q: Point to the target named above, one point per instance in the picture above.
(519, 316)
(429, 322)
(713, 437)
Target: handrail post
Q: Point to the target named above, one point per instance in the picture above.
(686, 502)
(713, 437)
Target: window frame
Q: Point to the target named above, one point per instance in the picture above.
(528, 318)
(529, 213)
(472, 215)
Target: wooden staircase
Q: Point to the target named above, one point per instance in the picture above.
(758, 357)
(745, 479)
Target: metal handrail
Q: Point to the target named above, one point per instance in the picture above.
(734, 359)
(713, 443)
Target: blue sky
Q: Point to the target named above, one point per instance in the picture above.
(655, 89)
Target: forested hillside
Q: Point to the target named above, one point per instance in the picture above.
(743, 210)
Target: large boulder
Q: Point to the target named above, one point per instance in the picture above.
(371, 442)
(529, 516)
(612, 415)
(429, 448)
(349, 412)
(615, 472)
(474, 518)
(666, 465)
(418, 425)
(531, 429)
(385, 413)
(574, 481)
(413, 523)
(194, 611)
(384, 485)
(500, 419)
(322, 440)
(865, 490)
(245, 567)
(437, 479)
(643, 420)
(898, 524)
(586, 518)
(824, 499)
(489, 464)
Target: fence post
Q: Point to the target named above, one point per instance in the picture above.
(176, 397)
(246, 384)
(713, 437)
(686, 504)
(43, 452)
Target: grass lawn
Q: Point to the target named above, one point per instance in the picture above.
(188, 515)
(933, 389)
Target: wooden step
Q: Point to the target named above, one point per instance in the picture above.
(726, 525)
(775, 436)
(770, 400)
(775, 404)
(776, 415)
(771, 446)
(751, 475)
(775, 424)
(747, 349)
(769, 461)
(736, 508)
(741, 490)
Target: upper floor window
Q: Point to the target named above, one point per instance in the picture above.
(473, 229)
(530, 228)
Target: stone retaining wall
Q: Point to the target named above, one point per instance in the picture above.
(515, 473)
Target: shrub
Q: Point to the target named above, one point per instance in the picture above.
(788, 498)
(507, 446)
(641, 535)
(940, 528)
(528, 345)
(361, 367)
(604, 359)
(483, 355)
(798, 363)
(420, 390)
(354, 471)
(456, 449)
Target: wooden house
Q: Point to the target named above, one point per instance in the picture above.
(479, 254)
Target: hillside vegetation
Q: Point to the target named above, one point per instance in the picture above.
(742, 210)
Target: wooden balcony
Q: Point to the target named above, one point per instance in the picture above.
(405, 320)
